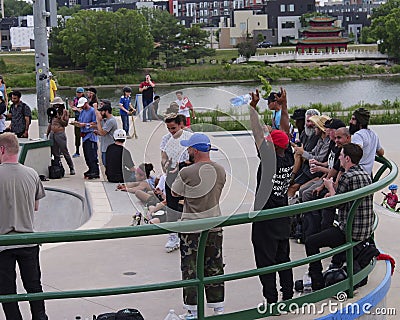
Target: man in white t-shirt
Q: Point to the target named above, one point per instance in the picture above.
(21, 190)
(185, 106)
(367, 139)
(173, 157)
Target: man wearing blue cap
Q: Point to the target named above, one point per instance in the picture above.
(201, 186)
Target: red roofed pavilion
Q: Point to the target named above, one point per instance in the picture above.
(321, 34)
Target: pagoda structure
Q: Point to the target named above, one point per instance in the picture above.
(321, 34)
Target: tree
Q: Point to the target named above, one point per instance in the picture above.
(107, 41)
(386, 29)
(247, 48)
(167, 35)
(16, 8)
(195, 41)
(68, 11)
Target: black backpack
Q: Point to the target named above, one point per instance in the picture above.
(56, 170)
(124, 314)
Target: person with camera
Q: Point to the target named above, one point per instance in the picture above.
(58, 120)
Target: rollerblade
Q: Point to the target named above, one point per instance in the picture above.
(172, 243)
(137, 217)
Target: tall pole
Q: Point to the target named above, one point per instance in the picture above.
(2, 9)
(41, 63)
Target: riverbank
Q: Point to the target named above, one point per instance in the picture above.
(222, 82)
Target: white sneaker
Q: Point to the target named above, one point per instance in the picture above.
(172, 243)
(188, 316)
(219, 310)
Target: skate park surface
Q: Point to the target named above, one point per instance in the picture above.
(143, 260)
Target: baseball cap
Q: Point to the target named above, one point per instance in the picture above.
(199, 141)
(272, 98)
(105, 107)
(50, 74)
(119, 134)
(80, 90)
(81, 102)
(299, 114)
(279, 138)
(57, 100)
(334, 124)
(91, 89)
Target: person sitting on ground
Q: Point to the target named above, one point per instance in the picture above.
(154, 201)
(119, 164)
(319, 153)
(353, 178)
(144, 180)
(153, 109)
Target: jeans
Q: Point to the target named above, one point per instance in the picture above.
(28, 262)
(146, 111)
(332, 238)
(125, 123)
(77, 133)
(91, 159)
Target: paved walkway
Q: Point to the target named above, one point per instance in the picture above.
(125, 262)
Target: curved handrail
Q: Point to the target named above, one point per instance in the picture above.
(205, 224)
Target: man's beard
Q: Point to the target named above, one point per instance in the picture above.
(191, 158)
(309, 131)
(104, 116)
(353, 128)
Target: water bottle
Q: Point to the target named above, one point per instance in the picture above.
(307, 283)
(172, 315)
(240, 100)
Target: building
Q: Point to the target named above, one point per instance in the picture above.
(321, 34)
(5, 25)
(284, 19)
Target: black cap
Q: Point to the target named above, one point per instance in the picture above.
(91, 89)
(106, 105)
(334, 124)
(272, 98)
(299, 114)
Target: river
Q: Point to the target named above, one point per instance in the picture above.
(347, 92)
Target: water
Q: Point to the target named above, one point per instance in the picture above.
(347, 92)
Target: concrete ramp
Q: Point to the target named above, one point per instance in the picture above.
(61, 210)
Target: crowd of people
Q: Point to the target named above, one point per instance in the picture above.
(323, 158)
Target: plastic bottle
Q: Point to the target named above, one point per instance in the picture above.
(307, 283)
(172, 315)
(240, 100)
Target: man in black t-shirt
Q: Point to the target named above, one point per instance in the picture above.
(119, 165)
(270, 238)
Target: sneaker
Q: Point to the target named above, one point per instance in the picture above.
(188, 316)
(72, 172)
(172, 243)
(92, 176)
(219, 310)
(76, 155)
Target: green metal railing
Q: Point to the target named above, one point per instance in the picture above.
(200, 281)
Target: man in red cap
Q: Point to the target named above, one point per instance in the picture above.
(270, 238)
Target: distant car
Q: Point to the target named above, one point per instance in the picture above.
(264, 44)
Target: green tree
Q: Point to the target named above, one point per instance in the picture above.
(366, 36)
(195, 41)
(68, 11)
(107, 41)
(15, 8)
(386, 29)
(167, 34)
(247, 48)
(57, 56)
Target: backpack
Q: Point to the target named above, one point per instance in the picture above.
(124, 314)
(56, 170)
(363, 253)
